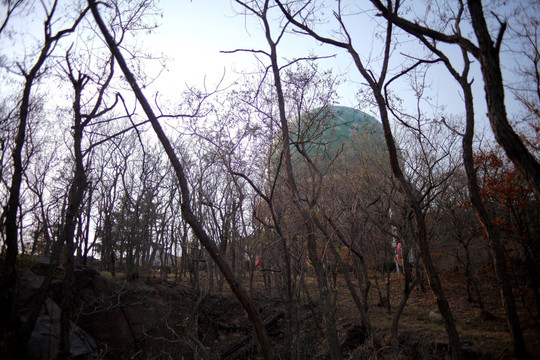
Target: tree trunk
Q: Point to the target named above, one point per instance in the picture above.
(412, 199)
(324, 291)
(420, 230)
(306, 218)
(408, 287)
(488, 56)
(75, 199)
(187, 212)
(8, 300)
(490, 232)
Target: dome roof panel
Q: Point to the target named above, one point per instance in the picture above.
(334, 128)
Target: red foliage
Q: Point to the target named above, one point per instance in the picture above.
(502, 187)
(500, 182)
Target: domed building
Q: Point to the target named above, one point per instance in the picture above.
(327, 141)
(336, 133)
(342, 172)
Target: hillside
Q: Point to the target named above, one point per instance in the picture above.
(155, 317)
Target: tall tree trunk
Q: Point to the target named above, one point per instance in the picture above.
(498, 112)
(412, 200)
(488, 56)
(75, 199)
(311, 239)
(420, 234)
(408, 287)
(187, 212)
(8, 300)
(306, 218)
(490, 232)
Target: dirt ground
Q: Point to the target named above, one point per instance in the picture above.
(199, 325)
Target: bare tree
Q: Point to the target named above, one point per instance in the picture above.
(487, 53)
(276, 220)
(376, 84)
(305, 210)
(9, 226)
(186, 205)
(79, 183)
(496, 116)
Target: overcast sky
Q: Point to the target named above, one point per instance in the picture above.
(192, 34)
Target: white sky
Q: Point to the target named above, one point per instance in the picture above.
(192, 34)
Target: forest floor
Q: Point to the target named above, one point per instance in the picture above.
(196, 325)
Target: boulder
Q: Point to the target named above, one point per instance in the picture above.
(45, 338)
(119, 320)
(116, 320)
(435, 317)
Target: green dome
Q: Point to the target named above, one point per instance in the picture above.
(337, 133)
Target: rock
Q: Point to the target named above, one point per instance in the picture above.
(44, 341)
(119, 320)
(29, 284)
(116, 320)
(435, 317)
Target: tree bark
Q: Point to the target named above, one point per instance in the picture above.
(490, 232)
(408, 286)
(75, 198)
